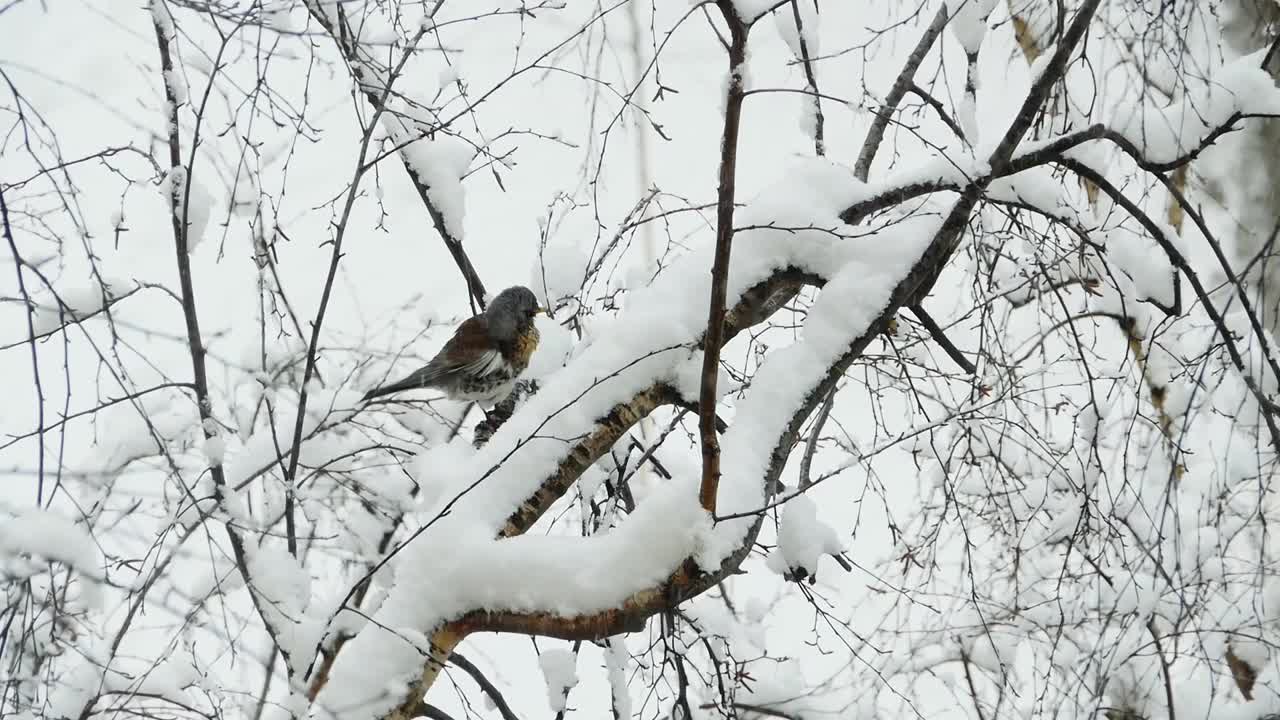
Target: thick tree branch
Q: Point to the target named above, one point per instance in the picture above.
(688, 580)
(862, 168)
(755, 305)
(1050, 75)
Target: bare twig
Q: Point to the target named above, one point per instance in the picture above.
(1267, 406)
(96, 409)
(69, 318)
(973, 689)
(1164, 666)
(335, 257)
(1254, 322)
(764, 710)
(195, 342)
(31, 339)
(875, 135)
(811, 445)
(941, 110)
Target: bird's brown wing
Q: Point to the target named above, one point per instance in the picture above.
(470, 352)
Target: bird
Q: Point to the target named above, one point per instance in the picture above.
(485, 356)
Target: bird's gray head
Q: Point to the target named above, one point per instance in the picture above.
(511, 312)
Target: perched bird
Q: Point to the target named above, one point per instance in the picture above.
(486, 354)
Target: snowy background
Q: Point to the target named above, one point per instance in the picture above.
(1079, 527)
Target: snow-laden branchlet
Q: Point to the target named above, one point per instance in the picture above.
(560, 669)
(440, 164)
(1165, 134)
(33, 537)
(802, 540)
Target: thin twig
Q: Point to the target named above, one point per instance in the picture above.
(819, 143)
(335, 257)
(18, 264)
(973, 689)
(1266, 405)
(68, 315)
(811, 445)
(875, 135)
(95, 409)
(195, 343)
(1164, 666)
(940, 109)
(1254, 322)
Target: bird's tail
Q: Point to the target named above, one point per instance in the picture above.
(408, 383)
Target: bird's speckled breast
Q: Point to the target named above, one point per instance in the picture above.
(522, 349)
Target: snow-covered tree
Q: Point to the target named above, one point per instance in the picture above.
(903, 359)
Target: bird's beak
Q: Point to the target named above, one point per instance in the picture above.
(544, 311)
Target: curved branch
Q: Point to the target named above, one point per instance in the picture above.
(1266, 405)
(687, 581)
(500, 702)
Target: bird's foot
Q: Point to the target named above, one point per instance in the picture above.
(486, 427)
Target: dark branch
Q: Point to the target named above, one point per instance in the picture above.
(708, 394)
(940, 337)
(875, 135)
